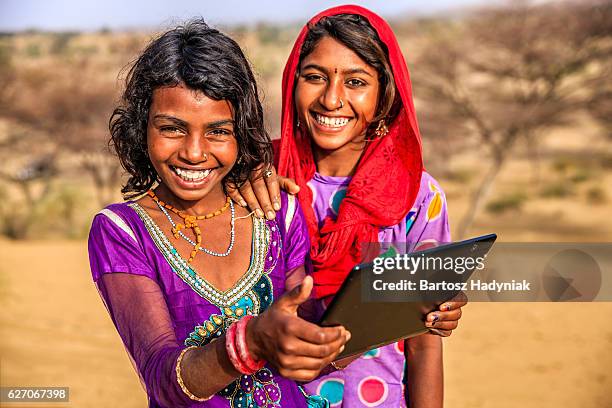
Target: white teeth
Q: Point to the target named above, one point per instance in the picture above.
(192, 175)
(331, 122)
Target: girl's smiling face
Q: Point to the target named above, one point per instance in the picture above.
(336, 95)
(191, 142)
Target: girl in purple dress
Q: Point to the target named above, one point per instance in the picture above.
(195, 286)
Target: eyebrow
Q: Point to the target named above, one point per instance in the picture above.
(176, 120)
(219, 123)
(344, 72)
(180, 122)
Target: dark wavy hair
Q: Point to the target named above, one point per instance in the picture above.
(355, 32)
(203, 59)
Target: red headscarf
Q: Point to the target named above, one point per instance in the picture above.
(384, 185)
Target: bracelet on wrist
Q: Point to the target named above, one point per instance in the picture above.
(237, 349)
(242, 348)
(232, 353)
(179, 378)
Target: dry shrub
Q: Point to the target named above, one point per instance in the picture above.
(506, 76)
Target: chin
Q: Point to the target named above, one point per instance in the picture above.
(330, 143)
(190, 195)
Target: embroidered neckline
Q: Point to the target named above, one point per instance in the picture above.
(259, 248)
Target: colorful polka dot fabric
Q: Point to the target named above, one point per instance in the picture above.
(377, 378)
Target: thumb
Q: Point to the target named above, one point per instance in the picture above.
(288, 185)
(296, 296)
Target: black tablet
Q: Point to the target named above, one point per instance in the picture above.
(376, 319)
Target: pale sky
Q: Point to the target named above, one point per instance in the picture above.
(16, 15)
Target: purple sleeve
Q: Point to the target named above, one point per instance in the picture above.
(428, 222)
(296, 243)
(113, 247)
(138, 309)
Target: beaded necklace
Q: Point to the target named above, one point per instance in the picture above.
(259, 248)
(201, 248)
(191, 221)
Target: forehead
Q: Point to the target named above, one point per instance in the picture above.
(331, 53)
(182, 101)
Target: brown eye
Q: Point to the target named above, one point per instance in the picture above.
(220, 134)
(314, 78)
(355, 83)
(170, 130)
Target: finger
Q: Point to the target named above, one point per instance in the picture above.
(299, 363)
(260, 189)
(441, 333)
(452, 325)
(290, 301)
(315, 334)
(334, 356)
(299, 375)
(235, 195)
(292, 362)
(302, 348)
(288, 185)
(444, 316)
(249, 196)
(273, 189)
(457, 302)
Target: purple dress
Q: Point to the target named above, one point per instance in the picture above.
(377, 378)
(159, 305)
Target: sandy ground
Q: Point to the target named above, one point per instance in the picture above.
(55, 332)
(55, 329)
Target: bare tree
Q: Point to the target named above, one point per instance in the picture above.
(7, 74)
(72, 106)
(509, 74)
(34, 180)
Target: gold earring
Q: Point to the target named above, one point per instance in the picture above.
(298, 123)
(381, 129)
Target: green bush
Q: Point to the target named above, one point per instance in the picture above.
(557, 190)
(581, 175)
(596, 195)
(268, 34)
(561, 164)
(55, 215)
(606, 161)
(460, 176)
(33, 50)
(61, 43)
(508, 202)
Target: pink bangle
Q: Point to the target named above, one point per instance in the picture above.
(242, 348)
(230, 346)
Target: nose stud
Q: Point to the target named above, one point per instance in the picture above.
(204, 157)
(341, 104)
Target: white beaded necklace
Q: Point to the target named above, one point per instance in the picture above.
(207, 251)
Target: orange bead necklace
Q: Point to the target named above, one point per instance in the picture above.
(189, 221)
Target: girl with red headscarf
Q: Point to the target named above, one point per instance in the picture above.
(351, 142)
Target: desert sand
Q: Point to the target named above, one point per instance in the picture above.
(56, 332)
